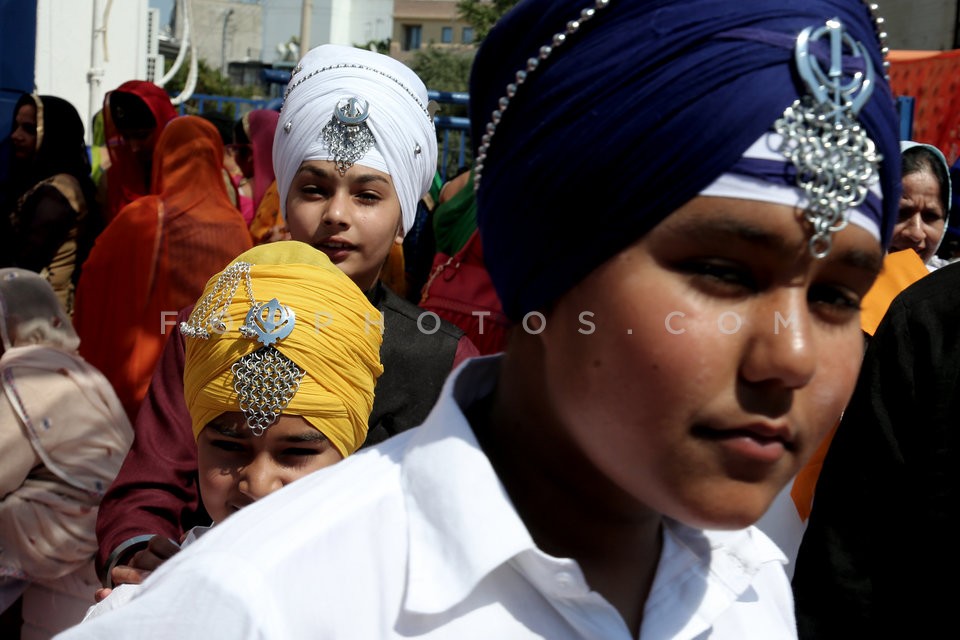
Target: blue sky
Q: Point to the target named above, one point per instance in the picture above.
(165, 7)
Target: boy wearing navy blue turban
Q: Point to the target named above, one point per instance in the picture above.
(681, 204)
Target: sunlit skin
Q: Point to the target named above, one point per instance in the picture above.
(599, 435)
(238, 468)
(921, 222)
(24, 135)
(355, 219)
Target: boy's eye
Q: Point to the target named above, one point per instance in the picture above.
(297, 456)
(722, 277)
(227, 445)
(369, 197)
(838, 303)
(312, 189)
(300, 451)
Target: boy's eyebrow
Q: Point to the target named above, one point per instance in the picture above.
(870, 261)
(362, 178)
(370, 177)
(316, 171)
(237, 430)
(229, 429)
(312, 435)
(700, 228)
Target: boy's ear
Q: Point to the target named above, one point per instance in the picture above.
(399, 238)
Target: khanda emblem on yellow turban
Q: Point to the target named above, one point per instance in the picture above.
(269, 322)
(265, 380)
(277, 362)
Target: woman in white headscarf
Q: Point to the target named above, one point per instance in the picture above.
(924, 202)
(63, 435)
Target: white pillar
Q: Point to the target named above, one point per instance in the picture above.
(95, 74)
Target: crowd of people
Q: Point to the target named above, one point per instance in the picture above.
(626, 399)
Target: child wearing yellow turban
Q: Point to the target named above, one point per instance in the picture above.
(334, 342)
(282, 356)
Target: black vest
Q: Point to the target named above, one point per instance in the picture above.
(415, 365)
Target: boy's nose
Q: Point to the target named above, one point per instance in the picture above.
(783, 352)
(258, 480)
(337, 211)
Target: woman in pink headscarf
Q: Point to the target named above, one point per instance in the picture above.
(267, 224)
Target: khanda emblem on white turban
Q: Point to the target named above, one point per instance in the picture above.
(347, 135)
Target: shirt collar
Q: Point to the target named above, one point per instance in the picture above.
(462, 524)
(701, 574)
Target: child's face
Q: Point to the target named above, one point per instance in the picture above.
(237, 467)
(721, 355)
(354, 218)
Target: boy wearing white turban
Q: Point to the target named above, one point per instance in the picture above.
(354, 152)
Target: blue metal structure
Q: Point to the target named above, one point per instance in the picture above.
(905, 105)
(454, 130)
(446, 125)
(18, 44)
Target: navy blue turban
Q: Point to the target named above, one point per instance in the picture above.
(634, 115)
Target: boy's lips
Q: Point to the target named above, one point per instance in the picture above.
(336, 248)
(759, 441)
(334, 242)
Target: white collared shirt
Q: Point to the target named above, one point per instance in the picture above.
(416, 537)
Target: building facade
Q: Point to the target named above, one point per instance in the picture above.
(427, 23)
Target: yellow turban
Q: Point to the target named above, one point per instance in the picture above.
(335, 340)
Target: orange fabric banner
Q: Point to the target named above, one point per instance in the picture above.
(932, 79)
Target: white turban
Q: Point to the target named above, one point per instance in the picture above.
(406, 140)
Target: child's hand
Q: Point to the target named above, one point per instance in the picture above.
(143, 562)
(101, 594)
(278, 233)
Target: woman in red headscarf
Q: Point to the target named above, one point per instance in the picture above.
(134, 115)
(155, 257)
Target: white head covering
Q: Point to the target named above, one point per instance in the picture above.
(733, 185)
(406, 140)
(30, 313)
(910, 144)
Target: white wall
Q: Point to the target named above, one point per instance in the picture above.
(344, 22)
(356, 22)
(919, 24)
(64, 36)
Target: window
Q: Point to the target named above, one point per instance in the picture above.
(467, 35)
(411, 36)
(446, 35)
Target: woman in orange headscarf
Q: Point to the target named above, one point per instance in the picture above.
(155, 257)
